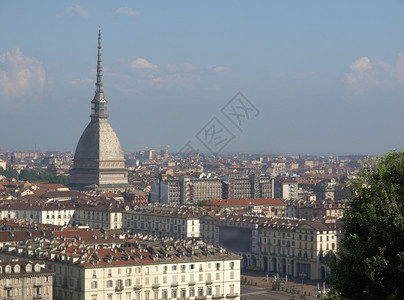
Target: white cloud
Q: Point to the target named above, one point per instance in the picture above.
(141, 63)
(128, 11)
(20, 76)
(367, 75)
(77, 11)
(218, 68)
(361, 65)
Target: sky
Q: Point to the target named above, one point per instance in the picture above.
(318, 77)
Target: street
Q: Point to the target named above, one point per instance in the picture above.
(255, 293)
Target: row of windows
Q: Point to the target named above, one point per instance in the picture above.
(165, 269)
(166, 293)
(156, 280)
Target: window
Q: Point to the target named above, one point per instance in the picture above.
(110, 273)
(128, 271)
(209, 291)
(109, 283)
(147, 295)
(191, 292)
(94, 284)
(174, 293)
(164, 294)
(94, 273)
(119, 283)
(109, 296)
(183, 293)
(128, 282)
(217, 266)
(200, 291)
(192, 266)
(174, 268)
(127, 296)
(217, 276)
(156, 295)
(232, 265)
(146, 270)
(231, 275)
(231, 289)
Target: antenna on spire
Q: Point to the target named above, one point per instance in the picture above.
(99, 83)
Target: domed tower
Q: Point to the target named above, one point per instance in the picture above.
(99, 162)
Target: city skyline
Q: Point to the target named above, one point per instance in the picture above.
(326, 78)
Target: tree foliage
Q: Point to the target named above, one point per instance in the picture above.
(370, 260)
(204, 203)
(35, 176)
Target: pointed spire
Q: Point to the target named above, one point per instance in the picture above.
(99, 83)
(99, 103)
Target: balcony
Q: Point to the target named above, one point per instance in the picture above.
(200, 297)
(137, 287)
(155, 285)
(119, 288)
(38, 297)
(174, 284)
(234, 295)
(209, 281)
(218, 296)
(191, 283)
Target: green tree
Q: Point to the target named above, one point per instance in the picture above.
(370, 259)
(204, 203)
(9, 173)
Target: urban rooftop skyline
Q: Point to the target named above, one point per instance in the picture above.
(316, 78)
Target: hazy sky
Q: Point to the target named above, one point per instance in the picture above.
(327, 77)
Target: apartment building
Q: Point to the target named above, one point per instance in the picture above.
(179, 222)
(165, 190)
(187, 189)
(25, 280)
(296, 247)
(285, 188)
(103, 214)
(147, 270)
(56, 213)
(254, 186)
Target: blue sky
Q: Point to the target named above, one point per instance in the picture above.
(326, 76)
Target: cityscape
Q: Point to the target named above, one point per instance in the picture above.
(184, 178)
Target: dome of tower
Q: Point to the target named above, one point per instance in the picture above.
(99, 142)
